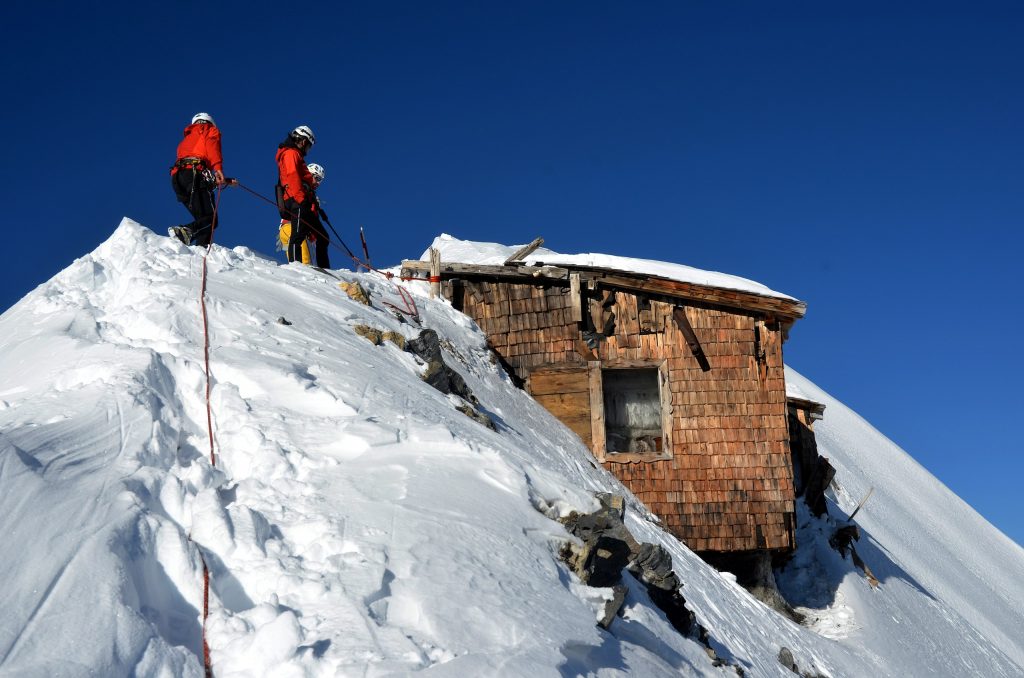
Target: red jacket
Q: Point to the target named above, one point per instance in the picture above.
(293, 174)
(202, 140)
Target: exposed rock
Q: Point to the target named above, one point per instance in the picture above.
(355, 291)
(612, 607)
(608, 548)
(653, 564)
(374, 335)
(282, 321)
(786, 659)
(477, 416)
(396, 338)
(377, 337)
(442, 377)
(438, 374)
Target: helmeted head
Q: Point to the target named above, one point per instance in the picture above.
(317, 171)
(302, 132)
(204, 118)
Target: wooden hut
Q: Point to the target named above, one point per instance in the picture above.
(673, 378)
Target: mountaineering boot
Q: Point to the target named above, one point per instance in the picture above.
(181, 233)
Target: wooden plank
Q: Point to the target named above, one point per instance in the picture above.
(679, 315)
(523, 252)
(665, 390)
(787, 309)
(596, 409)
(565, 404)
(547, 382)
(597, 314)
(474, 291)
(631, 363)
(634, 458)
(572, 409)
(575, 297)
(521, 273)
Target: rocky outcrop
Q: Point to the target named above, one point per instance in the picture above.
(607, 549)
(446, 380)
(377, 337)
(356, 292)
(442, 377)
(787, 660)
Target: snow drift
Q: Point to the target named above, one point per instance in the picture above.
(357, 523)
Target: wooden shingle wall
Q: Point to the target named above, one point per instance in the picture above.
(728, 485)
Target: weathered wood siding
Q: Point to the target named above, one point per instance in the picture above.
(728, 485)
(566, 394)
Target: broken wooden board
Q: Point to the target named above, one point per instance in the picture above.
(524, 252)
(683, 323)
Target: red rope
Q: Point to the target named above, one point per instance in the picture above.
(206, 335)
(207, 660)
(410, 303)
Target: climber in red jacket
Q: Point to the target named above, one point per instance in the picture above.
(197, 170)
(297, 196)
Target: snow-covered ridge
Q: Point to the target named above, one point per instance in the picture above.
(358, 524)
(469, 252)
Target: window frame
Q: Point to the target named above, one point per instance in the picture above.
(595, 370)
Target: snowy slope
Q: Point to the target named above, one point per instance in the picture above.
(358, 524)
(922, 541)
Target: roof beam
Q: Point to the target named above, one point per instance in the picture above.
(785, 309)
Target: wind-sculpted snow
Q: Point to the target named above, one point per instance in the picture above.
(356, 522)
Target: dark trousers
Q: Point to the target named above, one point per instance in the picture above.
(306, 222)
(195, 192)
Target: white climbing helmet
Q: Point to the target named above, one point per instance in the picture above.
(303, 132)
(317, 171)
(203, 117)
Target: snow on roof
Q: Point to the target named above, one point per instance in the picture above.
(489, 253)
(794, 391)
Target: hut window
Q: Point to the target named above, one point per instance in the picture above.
(632, 410)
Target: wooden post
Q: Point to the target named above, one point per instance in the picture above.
(574, 294)
(597, 409)
(435, 273)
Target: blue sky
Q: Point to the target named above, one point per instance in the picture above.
(863, 157)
